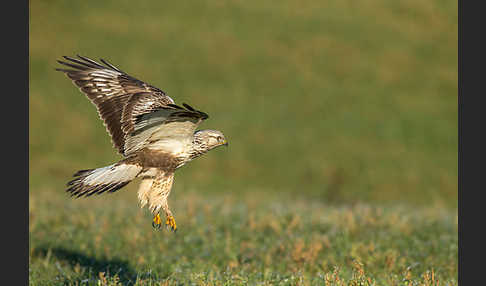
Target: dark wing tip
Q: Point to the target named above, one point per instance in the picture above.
(64, 70)
(188, 106)
(79, 66)
(67, 58)
(110, 65)
(203, 115)
(85, 63)
(174, 106)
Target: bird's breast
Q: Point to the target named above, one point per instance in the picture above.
(171, 146)
(150, 158)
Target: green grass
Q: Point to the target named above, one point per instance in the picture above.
(234, 241)
(341, 118)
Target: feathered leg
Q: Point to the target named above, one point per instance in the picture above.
(144, 190)
(155, 192)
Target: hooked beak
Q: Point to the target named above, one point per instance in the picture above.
(225, 143)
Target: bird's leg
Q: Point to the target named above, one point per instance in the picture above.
(144, 197)
(161, 188)
(162, 203)
(170, 222)
(157, 221)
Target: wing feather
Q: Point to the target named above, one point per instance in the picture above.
(135, 114)
(109, 89)
(163, 125)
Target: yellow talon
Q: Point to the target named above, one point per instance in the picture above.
(171, 223)
(157, 222)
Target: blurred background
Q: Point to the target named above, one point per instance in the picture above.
(341, 118)
(339, 101)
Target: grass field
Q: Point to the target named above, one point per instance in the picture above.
(235, 241)
(341, 118)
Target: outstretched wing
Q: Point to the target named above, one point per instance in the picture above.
(110, 89)
(134, 113)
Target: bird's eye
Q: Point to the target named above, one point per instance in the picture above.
(219, 138)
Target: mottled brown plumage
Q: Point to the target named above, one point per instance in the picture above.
(120, 98)
(158, 159)
(154, 135)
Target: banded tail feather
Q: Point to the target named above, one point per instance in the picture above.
(106, 179)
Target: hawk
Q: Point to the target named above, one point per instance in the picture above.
(154, 135)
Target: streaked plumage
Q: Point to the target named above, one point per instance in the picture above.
(153, 134)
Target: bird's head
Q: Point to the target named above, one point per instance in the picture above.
(209, 139)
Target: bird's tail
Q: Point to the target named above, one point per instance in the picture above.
(96, 181)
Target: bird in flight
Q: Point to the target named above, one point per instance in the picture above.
(154, 135)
